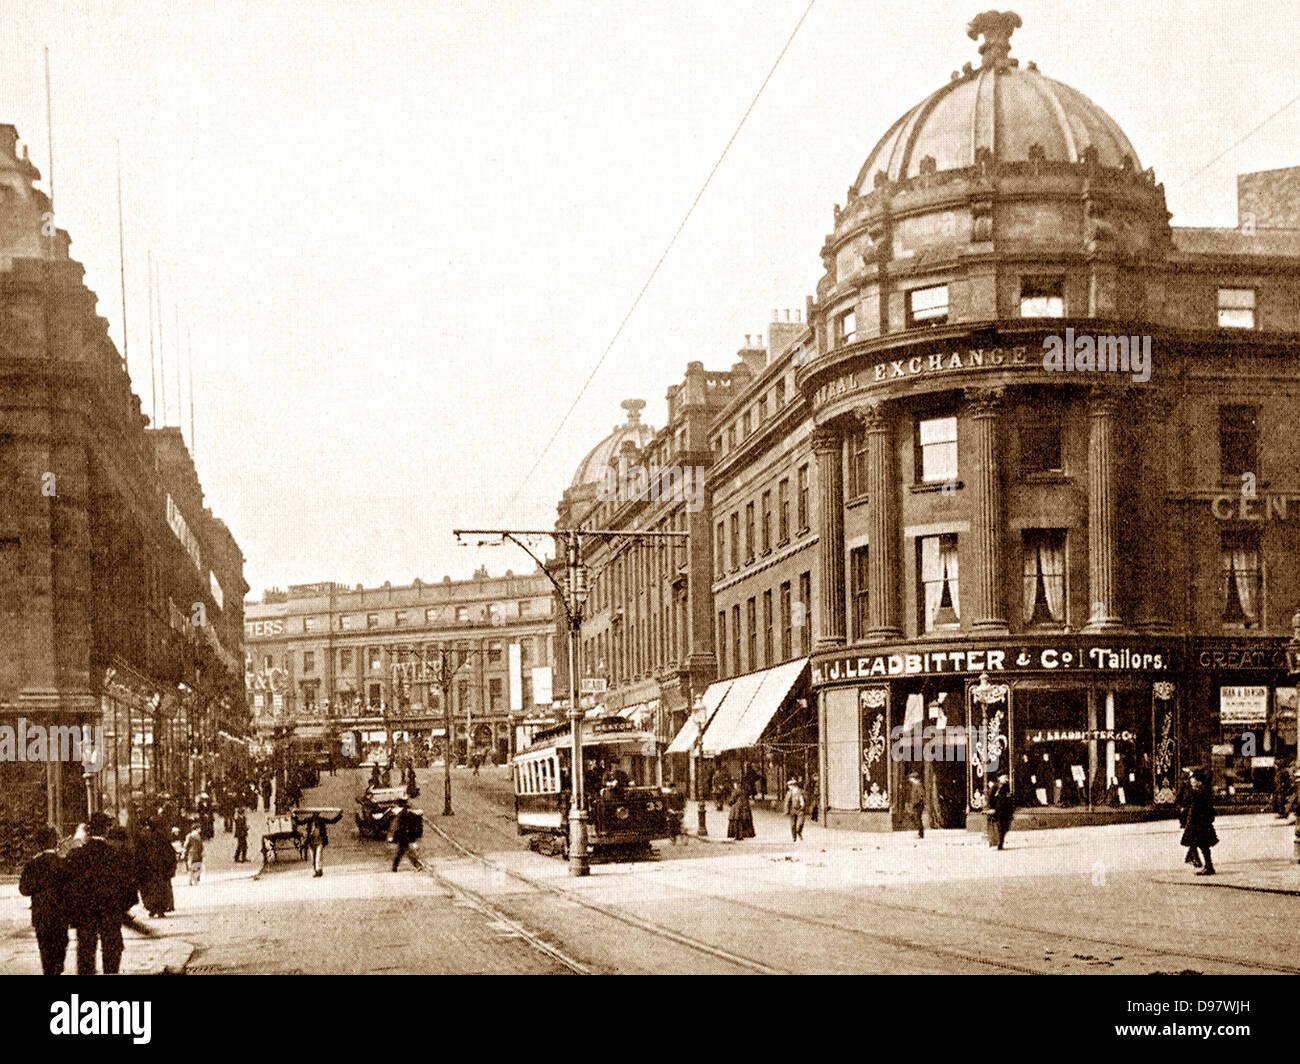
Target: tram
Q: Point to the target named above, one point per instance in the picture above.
(623, 808)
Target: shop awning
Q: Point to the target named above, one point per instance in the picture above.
(640, 713)
(749, 707)
(712, 698)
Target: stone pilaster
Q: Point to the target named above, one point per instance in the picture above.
(1103, 516)
(882, 519)
(827, 446)
(1157, 538)
(984, 406)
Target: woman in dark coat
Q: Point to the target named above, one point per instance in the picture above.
(740, 821)
(1001, 810)
(1199, 831)
(155, 866)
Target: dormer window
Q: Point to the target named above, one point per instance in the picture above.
(927, 306)
(1236, 308)
(1042, 297)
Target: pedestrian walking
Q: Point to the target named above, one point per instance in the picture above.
(192, 850)
(101, 889)
(316, 837)
(266, 794)
(814, 796)
(1199, 830)
(408, 829)
(241, 835)
(740, 820)
(795, 808)
(44, 879)
(1001, 810)
(1182, 800)
(916, 802)
(721, 787)
(155, 865)
(1282, 784)
(331, 762)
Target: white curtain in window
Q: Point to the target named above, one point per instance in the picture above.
(931, 578)
(1051, 557)
(949, 548)
(1245, 567)
(1032, 568)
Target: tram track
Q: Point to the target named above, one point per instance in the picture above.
(1052, 936)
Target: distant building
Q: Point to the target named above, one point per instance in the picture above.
(344, 671)
(121, 594)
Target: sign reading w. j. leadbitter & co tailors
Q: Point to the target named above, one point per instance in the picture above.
(935, 364)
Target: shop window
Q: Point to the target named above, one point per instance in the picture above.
(927, 306)
(858, 589)
(1236, 308)
(1238, 439)
(1242, 760)
(937, 566)
(936, 450)
(1040, 447)
(1044, 576)
(1243, 580)
(1042, 297)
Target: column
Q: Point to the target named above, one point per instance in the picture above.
(1160, 574)
(1103, 524)
(882, 520)
(985, 407)
(826, 444)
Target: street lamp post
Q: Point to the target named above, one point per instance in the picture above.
(701, 799)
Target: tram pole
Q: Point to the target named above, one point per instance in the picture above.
(579, 865)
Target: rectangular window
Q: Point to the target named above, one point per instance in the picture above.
(345, 621)
(372, 620)
(1238, 440)
(778, 396)
(494, 694)
(720, 550)
(430, 615)
(927, 306)
(858, 589)
(736, 667)
(846, 328)
(462, 613)
(749, 532)
(494, 652)
(1044, 576)
(787, 633)
(722, 641)
(374, 659)
(525, 607)
(767, 628)
(751, 616)
(747, 426)
(399, 618)
(462, 695)
(937, 568)
(936, 450)
(857, 465)
(309, 661)
(309, 624)
(735, 542)
(802, 514)
(345, 661)
(1236, 308)
(762, 409)
(783, 511)
(805, 613)
(767, 522)
(1042, 297)
(1040, 447)
(375, 696)
(1243, 579)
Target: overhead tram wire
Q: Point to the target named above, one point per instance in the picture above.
(1239, 141)
(686, 218)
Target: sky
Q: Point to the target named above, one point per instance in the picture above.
(400, 234)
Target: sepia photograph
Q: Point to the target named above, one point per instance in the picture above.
(732, 487)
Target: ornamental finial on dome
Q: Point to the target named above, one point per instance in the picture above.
(633, 408)
(996, 28)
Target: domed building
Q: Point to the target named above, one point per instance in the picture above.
(1052, 442)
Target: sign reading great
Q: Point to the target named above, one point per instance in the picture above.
(936, 364)
(1056, 657)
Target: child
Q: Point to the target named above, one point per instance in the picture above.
(194, 854)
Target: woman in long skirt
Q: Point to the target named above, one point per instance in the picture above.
(156, 864)
(740, 821)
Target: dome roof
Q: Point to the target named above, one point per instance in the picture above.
(1001, 107)
(591, 470)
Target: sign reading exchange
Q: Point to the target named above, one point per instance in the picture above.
(941, 362)
(1059, 657)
